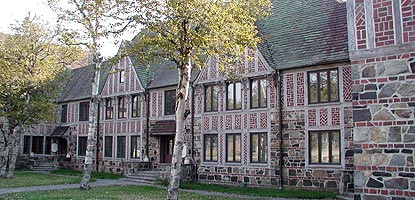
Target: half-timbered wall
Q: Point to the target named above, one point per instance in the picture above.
(244, 121)
(300, 118)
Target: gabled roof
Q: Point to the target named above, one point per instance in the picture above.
(304, 33)
(79, 85)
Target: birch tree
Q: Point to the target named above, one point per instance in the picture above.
(32, 62)
(187, 32)
(90, 22)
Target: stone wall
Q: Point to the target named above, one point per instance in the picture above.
(384, 130)
(300, 117)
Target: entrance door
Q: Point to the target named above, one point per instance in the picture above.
(166, 148)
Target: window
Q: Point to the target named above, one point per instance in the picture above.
(121, 146)
(37, 144)
(83, 111)
(211, 98)
(258, 93)
(109, 108)
(64, 113)
(122, 76)
(211, 147)
(82, 143)
(234, 93)
(122, 107)
(136, 106)
(48, 147)
(169, 102)
(324, 147)
(259, 148)
(26, 144)
(323, 86)
(135, 147)
(233, 147)
(108, 147)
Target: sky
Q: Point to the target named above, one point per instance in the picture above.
(13, 10)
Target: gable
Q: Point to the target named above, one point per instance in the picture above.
(130, 84)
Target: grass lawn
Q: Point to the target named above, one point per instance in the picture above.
(108, 192)
(99, 175)
(27, 179)
(263, 192)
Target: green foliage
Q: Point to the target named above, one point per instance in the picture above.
(32, 68)
(98, 175)
(29, 179)
(263, 192)
(186, 31)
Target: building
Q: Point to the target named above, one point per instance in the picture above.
(326, 103)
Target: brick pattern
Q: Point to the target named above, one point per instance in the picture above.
(272, 94)
(335, 116)
(160, 103)
(312, 117)
(383, 21)
(360, 24)
(153, 104)
(238, 121)
(324, 117)
(215, 123)
(213, 68)
(253, 120)
(408, 20)
(347, 83)
(290, 90)
(264, 120)
(245, 151)
(206, 123)
(261, 66)
(251, 61)
(300, 88)
(199, 103)
(228, 122)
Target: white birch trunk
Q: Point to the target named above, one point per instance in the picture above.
(93, 117)
(15, 147)
(176, 163)
(4, 155)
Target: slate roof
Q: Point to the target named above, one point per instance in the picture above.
(79, 85)
(304, 32)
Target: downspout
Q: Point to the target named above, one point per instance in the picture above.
(97, 143)
(193, 121)
(148, 120)
(279, 86)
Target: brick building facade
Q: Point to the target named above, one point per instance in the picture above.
(326, 102)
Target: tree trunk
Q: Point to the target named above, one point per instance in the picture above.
(15, 138)
(4, 158)
(93, 117)
(181, 97)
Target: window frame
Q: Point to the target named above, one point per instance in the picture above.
(121, 149)
(109, 108)
(330, 145)
(258, 80)
(122, 107)
(135, 106)
(81, 150)
(38, 144)
(209, 137)
(121, 76)
(83, 111)
(106, 155)
(260, 148)
(233, 147)
(318, 72)
(64, 113)
(169, 104)
(137, 145)
(213, 101)
(234, 98)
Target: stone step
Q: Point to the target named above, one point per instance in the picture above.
(145, 178)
